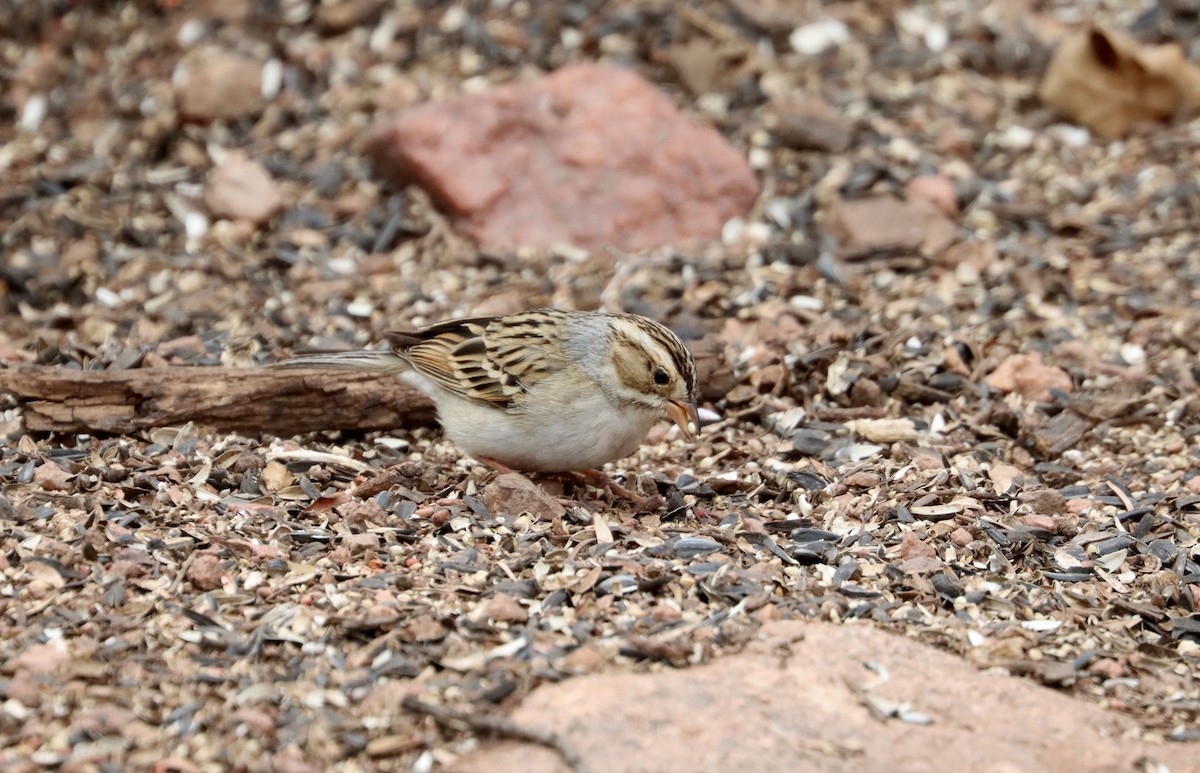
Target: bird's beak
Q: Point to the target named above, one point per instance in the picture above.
(685, 417)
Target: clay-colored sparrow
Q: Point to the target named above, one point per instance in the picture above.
(544, 390)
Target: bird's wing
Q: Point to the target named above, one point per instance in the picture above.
(495, 360)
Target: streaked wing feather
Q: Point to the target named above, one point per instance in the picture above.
(485, 358)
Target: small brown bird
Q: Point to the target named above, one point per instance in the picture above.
(545, 390)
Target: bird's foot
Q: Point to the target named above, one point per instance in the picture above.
(593, 478)
(500, 467)
(614, 489)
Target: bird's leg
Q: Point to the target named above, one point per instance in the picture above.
(597, 478)
(593, 477)
(502, 469)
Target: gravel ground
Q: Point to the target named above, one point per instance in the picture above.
(980, 429)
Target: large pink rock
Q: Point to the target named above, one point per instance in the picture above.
(799, 698)
(591, 155)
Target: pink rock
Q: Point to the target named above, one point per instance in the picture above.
(28, 688)
(961, 537)
(1039, 521)
(921, 565)
(260, 721)
(514, 494)
(1078, 355)
(220, 85)
(1045, 501)
(806, 681)
(357, 543)
(911, 546)
(1029, 377)
(103, 719)
(205, 572)
(51, 477)
(884, 222)
(502, 609)
(240, 188)
(935, 189)
(1078, 506)
(38, 659)
(290, 761)
(590, 155)
(811, 124)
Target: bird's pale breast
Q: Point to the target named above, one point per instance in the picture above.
(582, 433)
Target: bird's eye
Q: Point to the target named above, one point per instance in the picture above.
(661, 377)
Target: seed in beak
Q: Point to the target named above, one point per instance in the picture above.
(685, 417)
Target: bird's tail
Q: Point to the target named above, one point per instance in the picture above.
(381, 361)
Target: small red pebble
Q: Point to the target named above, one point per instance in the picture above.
(1078, 506)
(1038, 521)
(662, 613)
(935, 189)
(1109, 668)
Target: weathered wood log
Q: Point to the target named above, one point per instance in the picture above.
(245, 400)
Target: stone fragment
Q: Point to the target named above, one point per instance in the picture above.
(28, 688)
(1038, 521)
(1045, 501)
(1078, 506)
(961, 537)
(863, 479)
(501, 608)
(921, 565)
(231, 12)
(866, 392)
(812, 124)
(240, 188)
(38, 659)
(777, 17)
(220, 85)
(885, 222)
(513, 493)
(912, 546)
(205, 572)
(1029, 377)
(591, 156)
(357, 543)
(290, 761)
(51, 477)
(336, 18)
(937, 190)
(805, 680)
(104, 719)
(584, 659)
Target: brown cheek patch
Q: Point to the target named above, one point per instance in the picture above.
(630, 369)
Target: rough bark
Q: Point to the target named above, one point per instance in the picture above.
(245, 400)
(285, 401)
